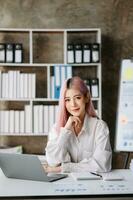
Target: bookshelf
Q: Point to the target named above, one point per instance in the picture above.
(43, 49)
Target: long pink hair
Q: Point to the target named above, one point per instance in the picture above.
(76, 83)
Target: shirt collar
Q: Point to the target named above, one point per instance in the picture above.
(85, 124)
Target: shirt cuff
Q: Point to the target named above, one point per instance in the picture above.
(66, 167)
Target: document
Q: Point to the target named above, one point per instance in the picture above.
(85, 176)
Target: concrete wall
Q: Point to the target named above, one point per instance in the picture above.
(114, 17)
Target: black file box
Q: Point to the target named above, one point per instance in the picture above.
(86, 53)
(78, 53)
(95, 53)
(18, 53)
(70, 53)
(9, 53)
(2, 53)
(94, 82)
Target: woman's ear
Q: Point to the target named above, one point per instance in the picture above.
(87, 98)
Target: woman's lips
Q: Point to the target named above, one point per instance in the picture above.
(75, 110)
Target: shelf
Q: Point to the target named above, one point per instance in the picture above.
(43, 49)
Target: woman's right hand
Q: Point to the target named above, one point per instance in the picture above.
(72, 122)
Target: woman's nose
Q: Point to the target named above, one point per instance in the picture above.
(73, 102)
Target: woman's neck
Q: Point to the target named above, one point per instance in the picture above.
(77, 129)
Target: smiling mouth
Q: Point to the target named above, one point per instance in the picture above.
(75, 110)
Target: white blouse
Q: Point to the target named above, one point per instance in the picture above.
(89, 151)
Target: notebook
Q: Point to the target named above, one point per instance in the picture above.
(110, 176)
(25, 166)
(84, 176)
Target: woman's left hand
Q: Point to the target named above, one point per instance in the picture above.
(50, 169)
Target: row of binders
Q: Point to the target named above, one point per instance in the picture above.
(23, 122)
(61, 73)
(11, 53)
(17, 85)
(93, 86)
(83, 53)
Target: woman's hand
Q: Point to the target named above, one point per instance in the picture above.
(72, 122)
(50, 169)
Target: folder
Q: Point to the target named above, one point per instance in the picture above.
(63, 69)
(57, 73)
(69, 72)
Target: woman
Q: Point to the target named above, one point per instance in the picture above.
(79, 141)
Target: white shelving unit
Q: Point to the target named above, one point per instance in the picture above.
(42, 49)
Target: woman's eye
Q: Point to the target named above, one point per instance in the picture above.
(78, 97)
(67, 100)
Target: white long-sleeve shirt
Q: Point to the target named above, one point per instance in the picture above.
(89, 151)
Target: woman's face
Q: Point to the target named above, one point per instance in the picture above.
(75, 102)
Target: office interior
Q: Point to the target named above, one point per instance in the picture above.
(114, 18)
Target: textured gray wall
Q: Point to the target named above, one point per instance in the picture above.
(114, 17)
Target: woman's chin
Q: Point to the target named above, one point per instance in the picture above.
(76, 114)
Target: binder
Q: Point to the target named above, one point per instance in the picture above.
(0, 84)
(11, 121)
(51, 116)
(22, 121)
(69, 72)
(17, 121)
(46, 119)
(40, 119)
(18, 55)
(52, 87)
(95, 53)
(78, 53)
(9, 53)
(86, 53)
(28, 119)
(94, 87)
(63, 73)
(88, 83)
(6, 121)
(70, 53)
(2, 53)
(35, 119)
(57, 73)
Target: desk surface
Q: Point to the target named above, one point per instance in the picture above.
(67, 187)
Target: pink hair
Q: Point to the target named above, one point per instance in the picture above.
(77, 83)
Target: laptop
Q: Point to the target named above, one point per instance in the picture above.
(26, 166)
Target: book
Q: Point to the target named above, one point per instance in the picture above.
(84, 176)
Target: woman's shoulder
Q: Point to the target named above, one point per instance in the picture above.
(100, 123)
(97, 120)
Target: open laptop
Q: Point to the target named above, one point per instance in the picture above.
(26, 166)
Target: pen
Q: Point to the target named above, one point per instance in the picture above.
(96, 174)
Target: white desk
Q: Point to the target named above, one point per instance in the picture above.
(68, 188)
